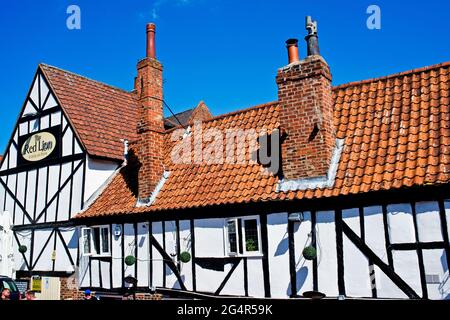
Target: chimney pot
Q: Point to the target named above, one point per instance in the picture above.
(292, 46)
(151, 52)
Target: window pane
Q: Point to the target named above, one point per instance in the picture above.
(105, 240)
(87, 241)
(232, 236)
(251, 235)
(96, 240)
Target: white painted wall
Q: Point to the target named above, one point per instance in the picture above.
(210, 243)
(401, 224)
(278, 255)
(303, 267)
(428, 221)
(97, 172)
(326, 253)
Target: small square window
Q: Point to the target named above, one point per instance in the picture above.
(243, 236)
(96, 241)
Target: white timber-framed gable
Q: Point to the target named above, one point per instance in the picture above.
(43, 179)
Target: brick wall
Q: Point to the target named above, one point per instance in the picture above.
(305, 96)
(69, 291)
(150, 126)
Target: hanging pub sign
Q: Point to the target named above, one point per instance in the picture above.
(39, 146)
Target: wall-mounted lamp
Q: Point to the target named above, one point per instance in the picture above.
(296, 217)
(117, 230)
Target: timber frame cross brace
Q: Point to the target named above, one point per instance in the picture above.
(396, 279)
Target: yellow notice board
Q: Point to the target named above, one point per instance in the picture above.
(36, 283)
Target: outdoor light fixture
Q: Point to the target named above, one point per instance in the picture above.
(117, 230)
(296, 217)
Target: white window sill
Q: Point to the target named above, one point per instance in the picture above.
(246, 255)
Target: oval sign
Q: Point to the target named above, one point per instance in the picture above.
(39, 146)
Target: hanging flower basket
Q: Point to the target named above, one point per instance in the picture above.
(23, 249)
(309, 253)
(130, 260)
(185, 257)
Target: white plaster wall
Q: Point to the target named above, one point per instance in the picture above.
(71, 236)
(406, 265)
(171, 249)
(83, 272)
(386, 288)
(326, 253)
(95, 267)
(356, 271)
(31, 192)
(351, 218)
(401, 224)
(9, 200)
(116, 251)
(209, 280)
(428, 221)
(435, 262)
(278, 252)
(104, 267)
(235, 284)
(255, 277)
(157, 262)
(44, 263)
(303, 267)
(129, 246)
(2, 197)
(143, 261)
(42, 187)
(209, 238)
(97, 172)
(24, 237)
(67, 142)
(185, 245)
(447, 214)
(62, 262)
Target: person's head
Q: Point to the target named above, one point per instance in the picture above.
(6, 293)
(30, 295)
(87, 294)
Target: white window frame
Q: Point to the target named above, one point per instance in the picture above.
(227, 240)
(258, 230)
(83, 241)
(242, 240)
(92, 243)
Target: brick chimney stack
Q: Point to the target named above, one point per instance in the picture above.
(148, 86)
(305, 97)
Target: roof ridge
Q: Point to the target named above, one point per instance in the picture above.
(232, 113)
(86, 78)
(394, 75)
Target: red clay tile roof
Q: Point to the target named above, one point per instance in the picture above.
(101, 114)
(396, 132)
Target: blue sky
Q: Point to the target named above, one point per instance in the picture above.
(225, 52)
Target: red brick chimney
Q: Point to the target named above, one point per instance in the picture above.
(148, 86)
(305, 97)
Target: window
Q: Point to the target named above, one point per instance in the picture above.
(232, 236)
(251, 235)
(96, 241)
(243, 236)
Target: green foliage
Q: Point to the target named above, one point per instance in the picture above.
(130, 260)
(250, 245)
(23, 249)
(185, 257)
(309, 253)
